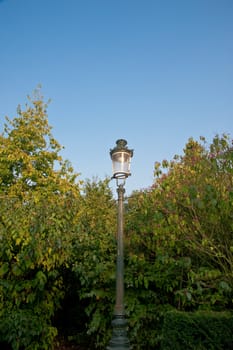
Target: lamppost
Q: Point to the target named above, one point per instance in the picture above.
(121, 157)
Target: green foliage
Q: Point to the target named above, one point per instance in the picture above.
(37, 219)
(58, 243)
(197, 331)
(178, 236)
(94, 253)
(24, 329)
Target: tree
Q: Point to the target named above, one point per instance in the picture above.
(39, 195)
(180, 238)
(198, 191)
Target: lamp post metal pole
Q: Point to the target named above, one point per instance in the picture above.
(119, 340)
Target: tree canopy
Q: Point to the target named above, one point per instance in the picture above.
(58, 239)
(38, 195)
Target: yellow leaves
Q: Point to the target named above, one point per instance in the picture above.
(29, 152)
(18, 240)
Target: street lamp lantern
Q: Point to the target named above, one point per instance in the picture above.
(121, 157)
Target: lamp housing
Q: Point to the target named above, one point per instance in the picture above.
(121, 159)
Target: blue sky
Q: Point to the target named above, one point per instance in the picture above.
(154, 72)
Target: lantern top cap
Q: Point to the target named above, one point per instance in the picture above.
(121, 145)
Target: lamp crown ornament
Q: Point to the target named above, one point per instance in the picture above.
(121, 145)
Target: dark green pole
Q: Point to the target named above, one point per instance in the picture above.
(119, 340)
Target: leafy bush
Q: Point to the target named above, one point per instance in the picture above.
(197, 331)
(93, 259)
(23, 329)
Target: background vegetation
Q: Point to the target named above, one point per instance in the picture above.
(57, 235)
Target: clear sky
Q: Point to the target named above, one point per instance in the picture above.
(154, 72)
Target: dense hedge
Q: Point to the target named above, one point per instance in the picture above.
(197, 331)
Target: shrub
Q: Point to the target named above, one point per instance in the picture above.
(197, 331)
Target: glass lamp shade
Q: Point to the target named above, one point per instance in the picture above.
(121, 158)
